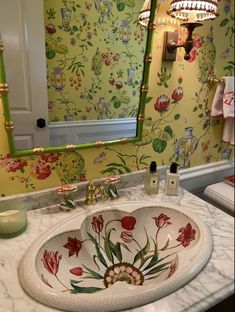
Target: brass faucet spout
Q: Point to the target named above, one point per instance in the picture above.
(93, 191)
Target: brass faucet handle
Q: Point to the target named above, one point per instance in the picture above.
(90, 195)
(103, 194)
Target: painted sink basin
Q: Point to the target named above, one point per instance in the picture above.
(117, 257)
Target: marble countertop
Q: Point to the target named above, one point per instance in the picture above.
(213, 284)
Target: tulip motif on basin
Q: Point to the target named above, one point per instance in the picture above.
(97, 224)
(120, 254)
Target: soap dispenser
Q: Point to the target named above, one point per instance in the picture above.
(151, 181)
(172, 180)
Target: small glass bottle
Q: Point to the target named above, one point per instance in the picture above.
(172, 180)
(151, 181)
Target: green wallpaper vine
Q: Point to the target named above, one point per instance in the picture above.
(177, 124)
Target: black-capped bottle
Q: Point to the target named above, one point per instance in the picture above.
(172, 180)
(151, 180)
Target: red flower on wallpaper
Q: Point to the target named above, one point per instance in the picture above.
(187, 235)
(128, 223)
(178, 94)
(51, 261)
(12, 164)
(116, 57)
(51, 157)
(50, 105)
(78, 271)
(42, 170)
(74, 245)
(193, 54)
(106, 58)
(82, 178)
(112, 81)
(180, 79)
(127, 237)
(119, 85)
(162, 220)
(97, 224)
(50, 28)
(162, 103)
(197, 43)
(107, 61)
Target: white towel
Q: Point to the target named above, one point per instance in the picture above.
(223, 105)
(228, 132)
(228, 97)
(217, 104)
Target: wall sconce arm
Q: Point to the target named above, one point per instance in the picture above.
(171, 43)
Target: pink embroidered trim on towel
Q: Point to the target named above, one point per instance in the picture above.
(223, 105)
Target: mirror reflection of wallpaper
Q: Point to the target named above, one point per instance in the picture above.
(94, 53)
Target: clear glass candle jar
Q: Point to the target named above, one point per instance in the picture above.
(13, 220)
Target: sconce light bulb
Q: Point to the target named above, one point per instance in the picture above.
(192, 17)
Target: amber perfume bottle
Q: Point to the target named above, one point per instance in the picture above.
(172, 180)
(151, 180)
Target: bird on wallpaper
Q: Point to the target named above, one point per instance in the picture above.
(103, 7)
(225, 54)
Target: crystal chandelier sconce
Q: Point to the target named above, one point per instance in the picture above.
(144, 15)
(192, 12)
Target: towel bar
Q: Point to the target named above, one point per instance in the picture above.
(213, 80)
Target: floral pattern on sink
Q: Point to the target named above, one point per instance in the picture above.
(114, 246)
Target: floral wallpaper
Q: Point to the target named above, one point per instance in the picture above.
(94, 52)
(177, 124)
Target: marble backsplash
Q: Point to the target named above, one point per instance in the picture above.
(49, 197)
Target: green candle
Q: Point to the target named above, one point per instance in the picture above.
(12, 222)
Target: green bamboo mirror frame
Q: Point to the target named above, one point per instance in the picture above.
(9, 125)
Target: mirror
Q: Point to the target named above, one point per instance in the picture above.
(93, 72)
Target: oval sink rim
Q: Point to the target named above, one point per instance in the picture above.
(126, 300)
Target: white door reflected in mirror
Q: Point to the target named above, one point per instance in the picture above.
(24, 35)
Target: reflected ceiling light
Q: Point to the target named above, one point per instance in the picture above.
(144, 15)
(193, 12)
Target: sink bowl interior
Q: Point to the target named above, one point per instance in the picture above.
(127, 255)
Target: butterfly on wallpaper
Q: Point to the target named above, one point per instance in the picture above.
(100, 158)
(88, 109)
(208, 158)
(88, 6)
(205, 145)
